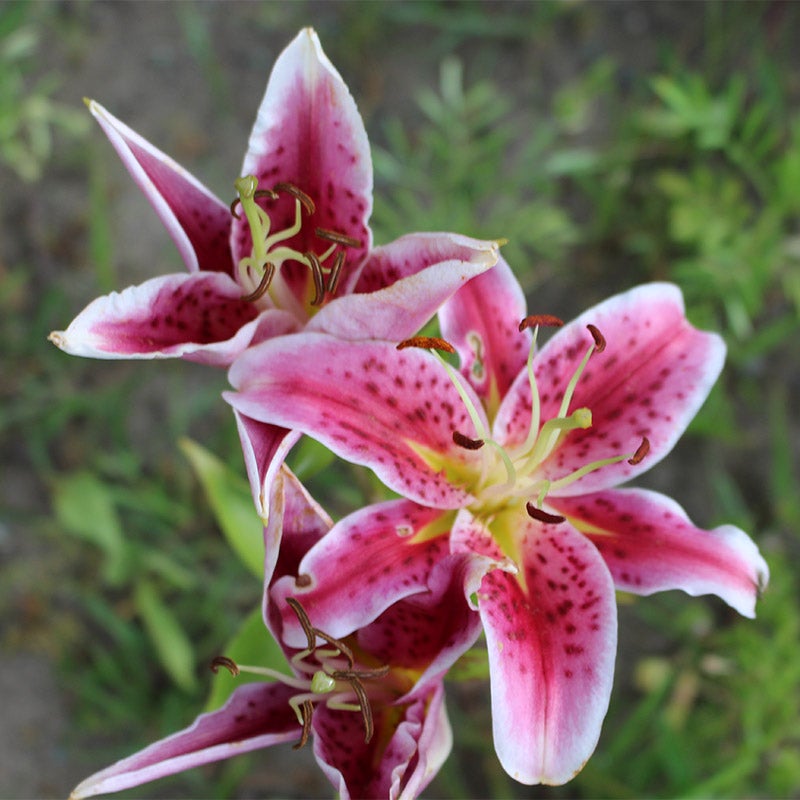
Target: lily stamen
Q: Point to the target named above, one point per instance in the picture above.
(641, 451)
(541, 515)
(466, 442)
(298, 194)
(338, 238)
(263, 286)
(331, 677)
(427, 343)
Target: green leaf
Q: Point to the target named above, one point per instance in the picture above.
(232, 504)
(173, 646)
(252, 644)
(84, 508)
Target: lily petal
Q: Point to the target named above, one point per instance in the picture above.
(308, 132)
(200, 317)
(264, 448)
(430, 630)
(256, 715)
(366, 402)
(296, 523)
(198, 222)
(369, 560)
(650, 545)
(401, 767)
(551, 635)
(482, 322)
(403, 284)
(651, 379)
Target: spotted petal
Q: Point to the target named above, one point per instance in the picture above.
(482, 322)
(650, 545)
(256, 715)
(308, 132)
(198, 222)
(401, 758)
(200, 316)
(651, 379)
(551, 637)
(392, 411)
(403, 284)
(369, 560)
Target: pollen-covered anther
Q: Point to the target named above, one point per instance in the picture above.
(543, 516)
(224, 661)
(641, 451)
(338, 238)
(427, 343)
(599, 339)
(298, 194)
(540, 320)
(468, 444)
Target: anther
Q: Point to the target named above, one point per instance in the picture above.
(233, 208)
(542, 320)
(263, 285)
(599, 339)
(333, 278)
(224, 661)
(305, 622)
(466, 442)
(298, 194)
(319, 279)
(335, 236)
(427, 343)
(542, 516)
(268, 193)
(306, 711)
(641, 451)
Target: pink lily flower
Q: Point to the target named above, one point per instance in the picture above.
(516, 457)
(294, 248)
(373, 702)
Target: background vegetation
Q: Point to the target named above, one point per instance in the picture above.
(611, 143)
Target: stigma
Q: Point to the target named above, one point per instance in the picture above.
(507, 476)
(326, 673)
(259, 272)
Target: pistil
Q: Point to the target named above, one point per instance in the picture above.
(260, 271)
(332, 677)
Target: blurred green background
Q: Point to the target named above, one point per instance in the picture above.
(611, 143)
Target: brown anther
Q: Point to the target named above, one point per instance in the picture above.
(298, 194)
(339, 238)
(268, 193)
(541, 320)
(301, 581)
(466, 442)
(427, 343)
(306, 711)
(599, 339)
(319, 278)
(641, 451)
(363, 704)
(233, 209)
(304, 621)
(336, 269)
(263, 284)
(362, 674)
(542, 516)
(224, 661)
